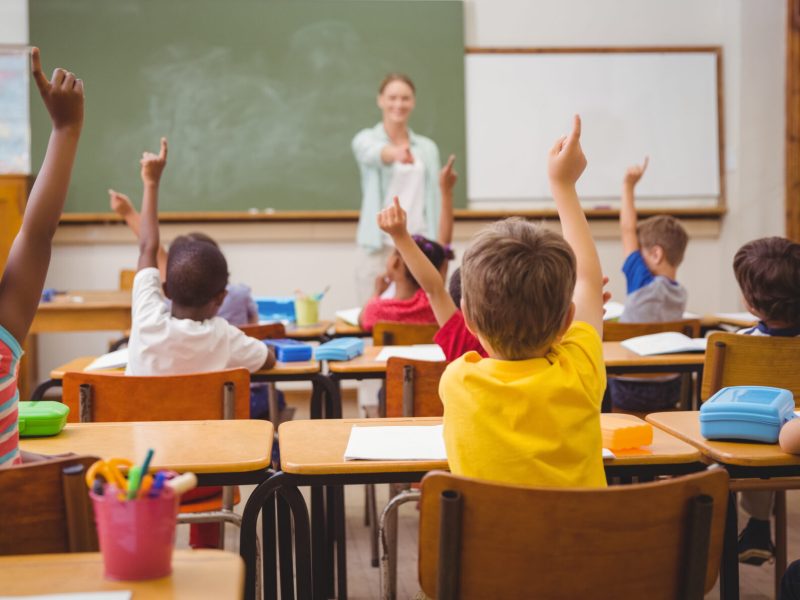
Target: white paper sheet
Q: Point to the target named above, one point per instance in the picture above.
(608, 454)
(115, 595)
(112, 360)
(416, 442)
(612, 310)
(349, 316)
(431, 352)
(664, 343)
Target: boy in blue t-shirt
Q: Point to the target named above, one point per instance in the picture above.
(654, 249)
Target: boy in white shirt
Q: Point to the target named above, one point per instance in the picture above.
(187, 336)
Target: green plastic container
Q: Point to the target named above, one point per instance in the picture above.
(42, 418)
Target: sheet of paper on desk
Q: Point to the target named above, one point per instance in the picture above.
(112, 360)
(664, 343)
(115, 595)
(612, 310)
(349, 316)
(431, 352)
(739, 316)
(416, 442)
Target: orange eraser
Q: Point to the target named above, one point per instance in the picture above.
(620, 433)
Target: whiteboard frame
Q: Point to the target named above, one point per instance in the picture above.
(715, 51)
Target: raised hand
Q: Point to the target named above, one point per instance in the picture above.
(566, 162)
(392, 219)
(153, 164)
(62, 95)
(402, 154)
(448, 176)
(635, 172)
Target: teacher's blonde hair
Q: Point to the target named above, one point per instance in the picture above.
(397, 77)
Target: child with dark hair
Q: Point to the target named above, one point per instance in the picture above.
(410, 304)
(768, 273)
(186, 337)
(238, 307)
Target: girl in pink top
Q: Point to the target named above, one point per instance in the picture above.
(410, 304)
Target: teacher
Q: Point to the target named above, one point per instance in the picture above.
(393, 161)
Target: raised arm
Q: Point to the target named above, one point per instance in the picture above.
(447, 181)
(566, 162)
(392, 220)
(152, 167)
(123, 206)
(29, 257)
(627, 212)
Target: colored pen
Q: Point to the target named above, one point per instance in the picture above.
(158, 484)
(147, 459)
(134, 481)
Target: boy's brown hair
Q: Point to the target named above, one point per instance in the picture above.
(768, 273)
(517, 281)
(667, 232)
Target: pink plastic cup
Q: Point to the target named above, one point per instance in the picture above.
(136, 536)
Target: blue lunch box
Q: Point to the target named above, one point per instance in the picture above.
(746, 412)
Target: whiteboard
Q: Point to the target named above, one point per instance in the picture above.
(15, 132)
(660, 104)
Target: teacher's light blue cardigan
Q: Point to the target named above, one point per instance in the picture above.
(375, 177)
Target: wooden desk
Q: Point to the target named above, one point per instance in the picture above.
(617, 358)
(196, 575)
(739, 320)
(321, 463)
(317, 332)
(203, 447)
(751, 466)
(343, 329)
(90, 310)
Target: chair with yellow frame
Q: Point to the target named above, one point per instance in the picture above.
(733, 359)
(614, 331)
(660, 541)
(46, 507)
(104, 397)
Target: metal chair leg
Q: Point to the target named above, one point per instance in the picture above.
(389, 579)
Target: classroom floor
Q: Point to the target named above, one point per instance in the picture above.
(756, 583)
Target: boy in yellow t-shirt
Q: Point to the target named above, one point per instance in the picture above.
(530, 413)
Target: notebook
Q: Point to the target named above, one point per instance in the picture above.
(349, 316)
(664, 343)
(113, 360)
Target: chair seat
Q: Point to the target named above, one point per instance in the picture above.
(208, 504)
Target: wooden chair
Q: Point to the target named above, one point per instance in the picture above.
(734, 359)
(387, 333)
(264, 331)
(126, 277)
(614, 331)
(46, 507)
(412, 390)
(658, 541)
(103, 397)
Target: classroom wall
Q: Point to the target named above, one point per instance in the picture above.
(276, 259)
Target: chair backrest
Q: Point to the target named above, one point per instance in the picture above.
(734, 359)
(628, 541)
(104, 397)
(45, 509)
(412, 388)
(387, 333)
(265, 331)
(614, 331)
(126, 277)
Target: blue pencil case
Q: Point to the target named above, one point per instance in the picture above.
(275, 308)
(340, 349)
(746, 412)
(290, 350)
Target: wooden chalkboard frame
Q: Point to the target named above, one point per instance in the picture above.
(714, 213)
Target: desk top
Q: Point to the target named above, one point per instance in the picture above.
(88, 300)
(343, 328)
(613, 353)
(686, 426)
(196, 575)
(325, 456)
(291, 368)
(309, 331)
(234, 446)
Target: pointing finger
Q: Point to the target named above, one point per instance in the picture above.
(576, 126)
(38, 75)
(163, 154)
(450, 161)
(645, 163)
(397, 202)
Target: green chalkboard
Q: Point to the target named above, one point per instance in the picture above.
(259, 98)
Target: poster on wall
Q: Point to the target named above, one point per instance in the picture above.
(15, 131)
